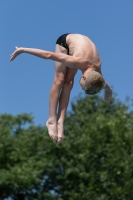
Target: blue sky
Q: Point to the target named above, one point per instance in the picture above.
(25, 83)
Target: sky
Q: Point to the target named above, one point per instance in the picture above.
(25, 83)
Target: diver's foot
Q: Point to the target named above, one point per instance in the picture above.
(60, 132)
(52, 129)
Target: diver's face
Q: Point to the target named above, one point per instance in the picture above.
(82, 81)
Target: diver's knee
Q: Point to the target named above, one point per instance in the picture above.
(58, 82)
(68, 84)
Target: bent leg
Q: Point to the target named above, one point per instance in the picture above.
(60, 73)
(63, 101)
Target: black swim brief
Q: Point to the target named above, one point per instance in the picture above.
(62, 41)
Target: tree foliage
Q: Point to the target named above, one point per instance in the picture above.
(95, 161)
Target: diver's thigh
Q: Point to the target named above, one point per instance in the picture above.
(70, 73)
(60, 69)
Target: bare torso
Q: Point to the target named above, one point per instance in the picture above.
(82, 47)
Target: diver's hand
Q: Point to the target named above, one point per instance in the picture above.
(17, 52)
(107, 94)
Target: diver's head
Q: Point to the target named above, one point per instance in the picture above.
(92, 82)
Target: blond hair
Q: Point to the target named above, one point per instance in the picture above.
(94, 82)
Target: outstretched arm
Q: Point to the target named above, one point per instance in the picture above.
(69, 61)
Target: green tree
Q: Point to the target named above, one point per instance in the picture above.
(94, 162)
